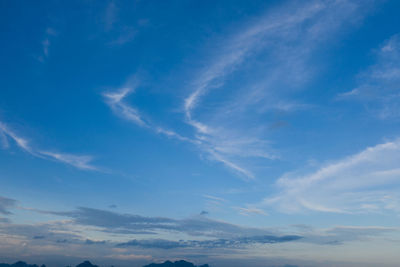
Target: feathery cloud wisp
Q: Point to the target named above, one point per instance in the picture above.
(362, 183)
(289, 35)
(116, 102)
(79, 161)
(21, 142)
(379, 85)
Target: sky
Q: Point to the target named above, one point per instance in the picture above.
(233, 133)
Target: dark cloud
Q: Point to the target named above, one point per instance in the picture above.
(109, 221)
(92, 242)
(216, 243)
(116, 221)
(50, 232)
(6, 204)
(207, 233)
(153, 243)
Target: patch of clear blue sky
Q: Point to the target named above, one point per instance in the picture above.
(59, 58)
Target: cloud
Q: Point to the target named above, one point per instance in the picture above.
(204, 213)
(366, 182)
(89, 232)
(50, 33)
(117, 32)
(42, 232)
(116, 102)
(341, 234)
(209, 244)
(285, 38)
(6, 204)
(250, 211)
(379, 84)
(21, 142)
(113, 222)
(78, 161)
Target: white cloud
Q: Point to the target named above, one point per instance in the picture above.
(250, 211)
(289, 36)
(50, 33)
(379, 85)
(361, 183)
(80, 162)
(21, 142)
(216, 156)
(116, 102)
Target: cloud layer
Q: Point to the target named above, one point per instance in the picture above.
(362, 183)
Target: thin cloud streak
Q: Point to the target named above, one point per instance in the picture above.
(82, 162)
(116, 102)
(21, 142)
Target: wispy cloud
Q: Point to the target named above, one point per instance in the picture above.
(250, 211)
(21, 142)
(213, 203)
(50, 33)
(379, 85)
(83, 162)
(362, 183)
(116, 102)
(289, 36)
(80, 162)
(118, 32)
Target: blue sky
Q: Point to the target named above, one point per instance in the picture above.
(233, 133)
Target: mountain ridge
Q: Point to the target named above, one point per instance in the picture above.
(180, 263)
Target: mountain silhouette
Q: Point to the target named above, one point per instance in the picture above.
(19, 264)
(180, 263)
(86, 264)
